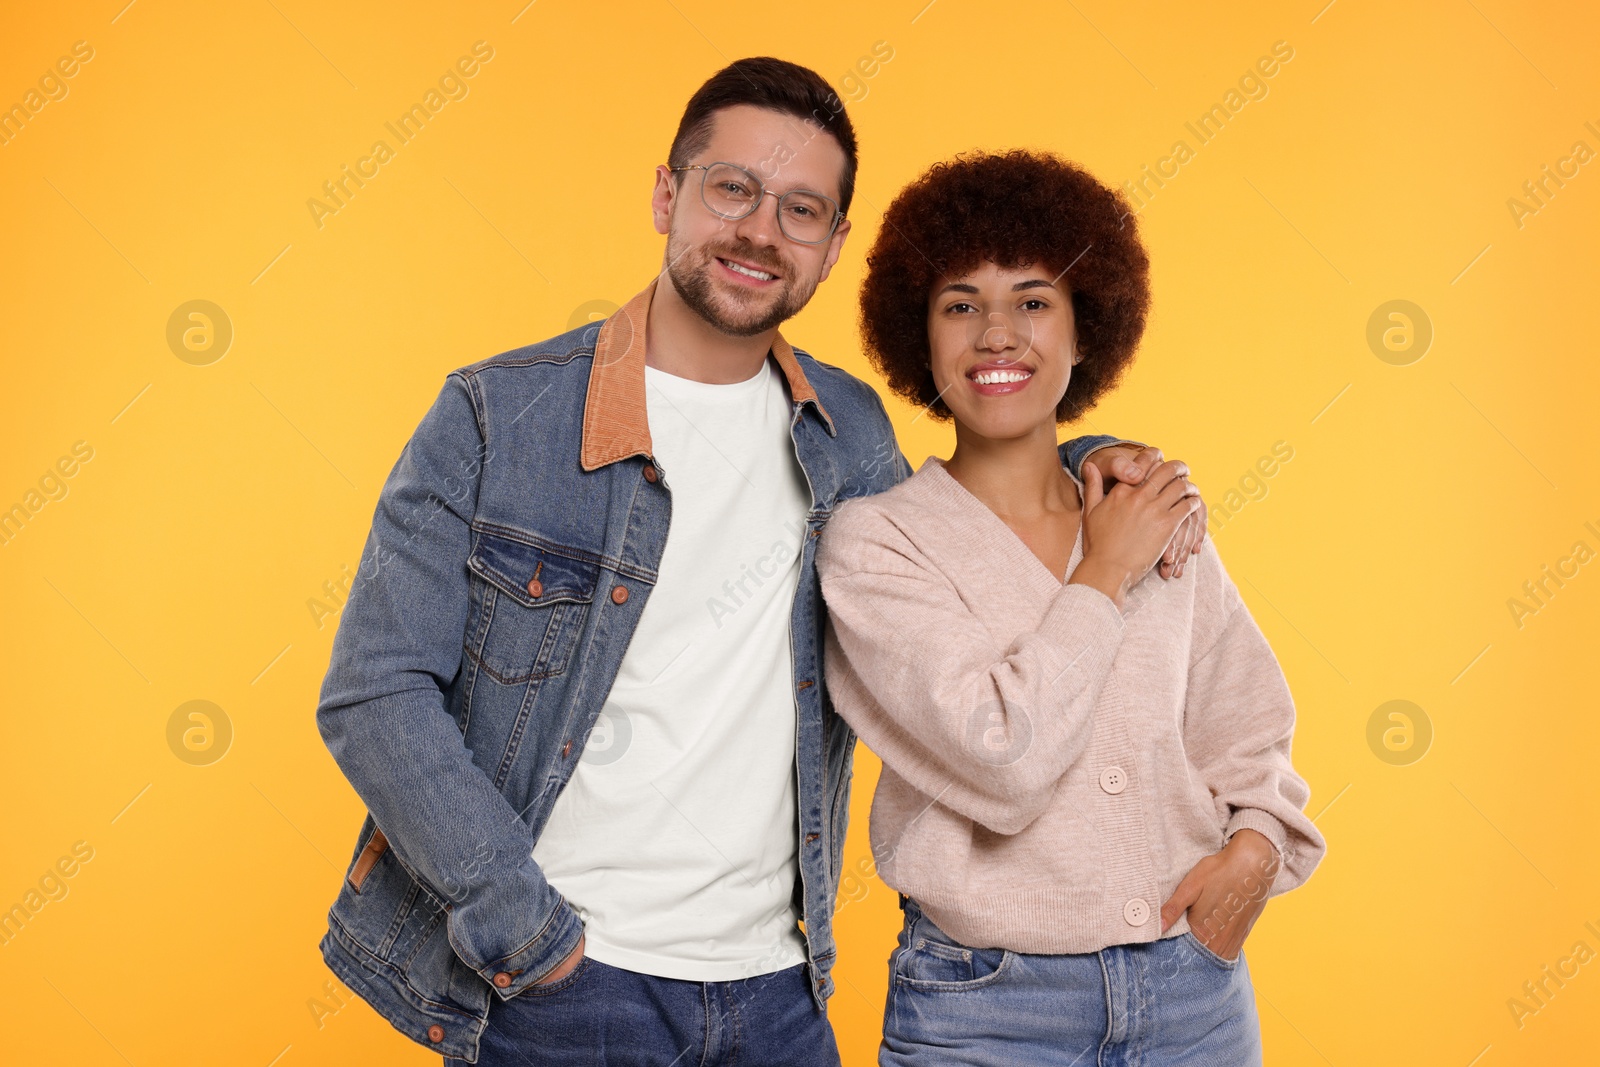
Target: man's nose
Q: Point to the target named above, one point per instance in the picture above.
(760, 226)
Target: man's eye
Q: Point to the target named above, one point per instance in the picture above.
(802, 211)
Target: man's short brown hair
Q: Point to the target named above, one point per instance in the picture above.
(776, 85)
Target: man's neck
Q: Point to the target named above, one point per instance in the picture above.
(681, 343)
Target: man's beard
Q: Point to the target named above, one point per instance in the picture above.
(726, 311)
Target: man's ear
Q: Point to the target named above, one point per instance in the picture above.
(662, 198)
(835, 246)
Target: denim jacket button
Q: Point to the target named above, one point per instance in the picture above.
(650, 473)
(535, 588)
(502, 979)
(436, 1033)
(619, 594)
(566, 749)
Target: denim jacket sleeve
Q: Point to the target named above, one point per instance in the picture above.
(1077, 450)
(383, 715)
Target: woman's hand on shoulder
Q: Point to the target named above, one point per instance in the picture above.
(1127, 528)
(1130, 464)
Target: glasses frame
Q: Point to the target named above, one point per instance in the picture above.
(763, 191)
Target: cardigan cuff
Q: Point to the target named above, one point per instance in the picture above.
(1264, 823)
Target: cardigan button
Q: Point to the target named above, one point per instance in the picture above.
(1113, 780)
(1136, 911)
(619, 594)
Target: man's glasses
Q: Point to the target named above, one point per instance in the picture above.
(733, 192)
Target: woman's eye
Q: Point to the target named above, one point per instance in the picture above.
(1034, 305)
(961, 306)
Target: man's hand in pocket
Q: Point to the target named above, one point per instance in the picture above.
(565, 967)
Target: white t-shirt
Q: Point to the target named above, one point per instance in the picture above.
(675, 838)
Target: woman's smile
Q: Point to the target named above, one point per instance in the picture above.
(999, 378)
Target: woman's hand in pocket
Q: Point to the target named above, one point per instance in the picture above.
(1224, 894)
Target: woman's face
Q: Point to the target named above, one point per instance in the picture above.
(1002, 342)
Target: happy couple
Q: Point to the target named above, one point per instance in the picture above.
(631, 594)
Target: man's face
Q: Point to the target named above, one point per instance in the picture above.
(744, 276)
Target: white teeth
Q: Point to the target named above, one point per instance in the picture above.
(995, 377)
(763, 275)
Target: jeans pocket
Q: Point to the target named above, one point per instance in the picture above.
(934, 965)
(565, 982)
(1200, 947)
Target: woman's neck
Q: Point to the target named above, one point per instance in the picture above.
(1018, 477)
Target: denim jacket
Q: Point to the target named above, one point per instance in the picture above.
(512, 549)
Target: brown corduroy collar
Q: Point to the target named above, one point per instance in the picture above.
(614, 422)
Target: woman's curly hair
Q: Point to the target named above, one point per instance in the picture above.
(1012, 209)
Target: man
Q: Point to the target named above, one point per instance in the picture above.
(578, 682)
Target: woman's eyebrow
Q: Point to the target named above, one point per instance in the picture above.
(963, 287)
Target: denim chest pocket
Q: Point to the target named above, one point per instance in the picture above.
(531, 603)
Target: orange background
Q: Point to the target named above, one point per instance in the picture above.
(1426, 485)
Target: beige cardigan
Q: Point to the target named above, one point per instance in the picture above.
(1053, 766)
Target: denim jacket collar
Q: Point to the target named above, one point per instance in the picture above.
(614, 421)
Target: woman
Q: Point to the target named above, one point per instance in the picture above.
(1087, 795)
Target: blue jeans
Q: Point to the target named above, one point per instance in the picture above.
(604, 1016)
(1166, 1003)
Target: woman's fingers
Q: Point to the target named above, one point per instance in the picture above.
(1186, 893)
(1093, 487)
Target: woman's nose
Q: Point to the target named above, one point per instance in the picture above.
(999, 336)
